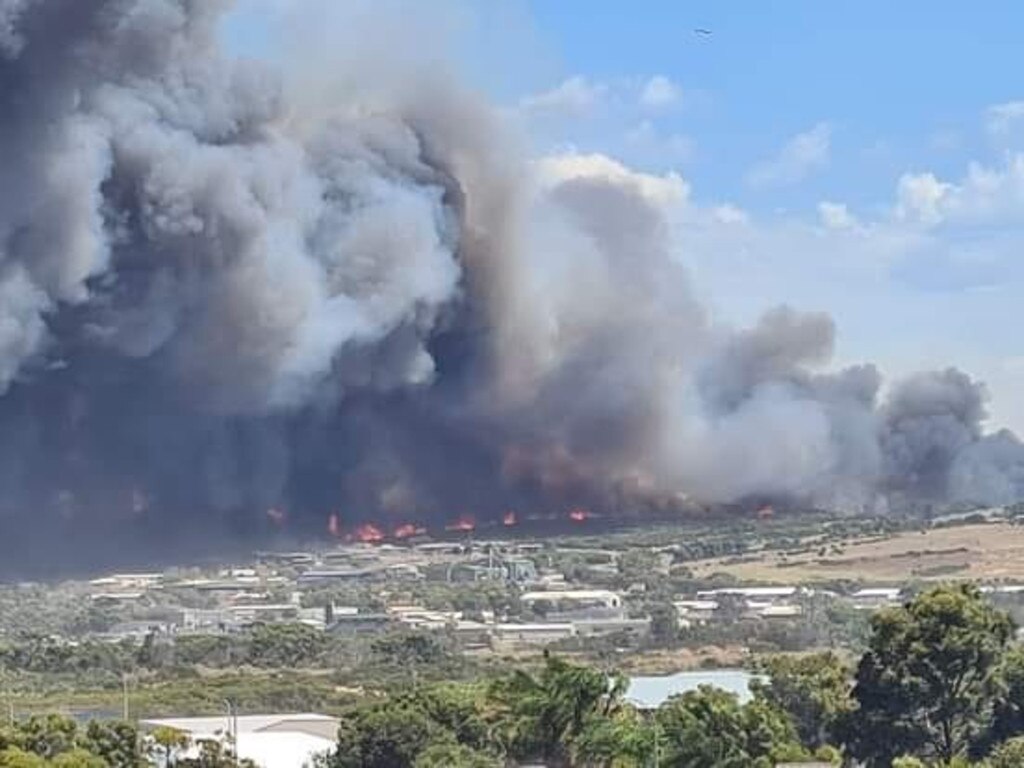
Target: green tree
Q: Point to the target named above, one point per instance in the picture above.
(409, 649)
(1008, 719)
(625, 740)
(14, 757)
(907, 761)
(925, 685)
(1009, 754)
(48, 735)
(81, 758)
(386, 735)
(541, 716)
(449, 754)
(709, 728)
(168, 743)
(814, 690)
(285, 645)
(115, 742)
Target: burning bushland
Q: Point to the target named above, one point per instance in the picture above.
(226, 306)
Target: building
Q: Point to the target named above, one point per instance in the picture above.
(760, 594)
(125, 581)
(270, 741)
(873, 598)
(361, 623)
(696, 611)
(532, 634)
(598, 603)
(338, 575)
(612, 626)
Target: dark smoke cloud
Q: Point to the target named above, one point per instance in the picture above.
(221, 294)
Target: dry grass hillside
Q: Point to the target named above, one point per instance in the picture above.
(992, 552)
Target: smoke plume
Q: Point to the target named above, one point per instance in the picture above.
(219, 297)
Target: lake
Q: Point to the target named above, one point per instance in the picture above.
(652, 692)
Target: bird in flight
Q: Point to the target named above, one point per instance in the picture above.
(701, 31)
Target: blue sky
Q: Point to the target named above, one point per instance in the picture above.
(856, 157)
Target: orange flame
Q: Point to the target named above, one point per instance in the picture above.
(464, 523)
(408, 530)
(334, 525)
(766, 512)
(510, 519)
(579, 515)
(368, 533)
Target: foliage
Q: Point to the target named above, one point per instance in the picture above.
(709, 728)
(541, 716)
(925, 685)
(388, 735)
(813, 690)
(410, 649)
(624, 740)
(454, 755)
(285, 645)
(58, 742)
(1009, 754)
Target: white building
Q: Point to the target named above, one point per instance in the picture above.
(270, 741)
(872, 598)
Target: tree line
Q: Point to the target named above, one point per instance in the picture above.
(941, 683)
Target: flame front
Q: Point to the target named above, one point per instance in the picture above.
(464, 523)
(334, 525)
(579, 515)
(509, 519)
(408, 530)
(368, 533)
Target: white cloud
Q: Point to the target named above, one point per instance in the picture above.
(835, 215)
(575, 97)
(668, 189)
(801, 156)
(727, 213)
(1002, 119)
(985, 195)
(660, 93)
(920, 197)
(645, 140)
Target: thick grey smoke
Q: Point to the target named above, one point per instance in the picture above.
(219, 297)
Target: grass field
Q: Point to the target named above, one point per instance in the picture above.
(990, 552)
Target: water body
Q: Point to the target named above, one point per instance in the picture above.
(652, 692)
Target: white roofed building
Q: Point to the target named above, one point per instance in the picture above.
(270, 741)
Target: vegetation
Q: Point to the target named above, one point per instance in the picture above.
(939, 685)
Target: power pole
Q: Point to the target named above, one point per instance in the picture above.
(124, 691)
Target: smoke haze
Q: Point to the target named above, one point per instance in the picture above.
(224, 290)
